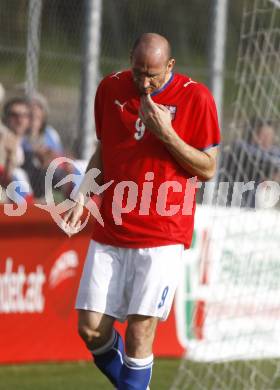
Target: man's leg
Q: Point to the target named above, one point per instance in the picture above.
(103, 341)
(137, 368)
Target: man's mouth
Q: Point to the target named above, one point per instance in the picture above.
(146, 91)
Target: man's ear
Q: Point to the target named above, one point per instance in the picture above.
(171, 64)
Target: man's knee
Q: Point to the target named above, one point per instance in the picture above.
(94, 328)
(140, 335)
(88, 334)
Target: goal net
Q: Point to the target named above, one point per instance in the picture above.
(228, 302)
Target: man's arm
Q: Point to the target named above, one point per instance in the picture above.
(94, 162)
(72, 217)
(158, 119)
(196, 162)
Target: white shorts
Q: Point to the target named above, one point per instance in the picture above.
(122, 281)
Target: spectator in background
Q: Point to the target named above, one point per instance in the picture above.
(41, 145)
(16, 117)
(10, 155)
(44, 139)
(34, 143)
(254, 158)
(7, 149)
(16, 121)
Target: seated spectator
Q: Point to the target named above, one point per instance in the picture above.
(42, 138)
(37, 144)
(16, 116)
(41, 145)
(11, 154)
(254, 158)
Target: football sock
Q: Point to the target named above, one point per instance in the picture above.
(136, 373)
(109, 358)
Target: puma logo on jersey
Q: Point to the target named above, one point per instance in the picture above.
(116, 75)
(190, 82)
(119, 104)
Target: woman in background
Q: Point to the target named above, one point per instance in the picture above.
(42, 145)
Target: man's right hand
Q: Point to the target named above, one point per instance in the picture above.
(72, 218)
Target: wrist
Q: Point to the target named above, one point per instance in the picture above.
(79, 198)
(169, 136)
(83, 191)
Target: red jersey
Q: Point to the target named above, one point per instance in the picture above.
(145, 206)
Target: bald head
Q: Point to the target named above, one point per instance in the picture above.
(152, 46)
(151, 62)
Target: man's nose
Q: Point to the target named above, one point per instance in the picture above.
(145, 82)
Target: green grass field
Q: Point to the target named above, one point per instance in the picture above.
(74, 376)
(249, 375)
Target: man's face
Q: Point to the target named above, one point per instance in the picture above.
(266, 137)
(150, 75)
(18, 119)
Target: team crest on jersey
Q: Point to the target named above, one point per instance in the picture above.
(172, 110)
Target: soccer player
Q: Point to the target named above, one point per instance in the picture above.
(156, 130)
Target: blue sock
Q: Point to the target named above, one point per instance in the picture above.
(136, 373)
(109, 358)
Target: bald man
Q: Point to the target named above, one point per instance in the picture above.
(157, 130)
